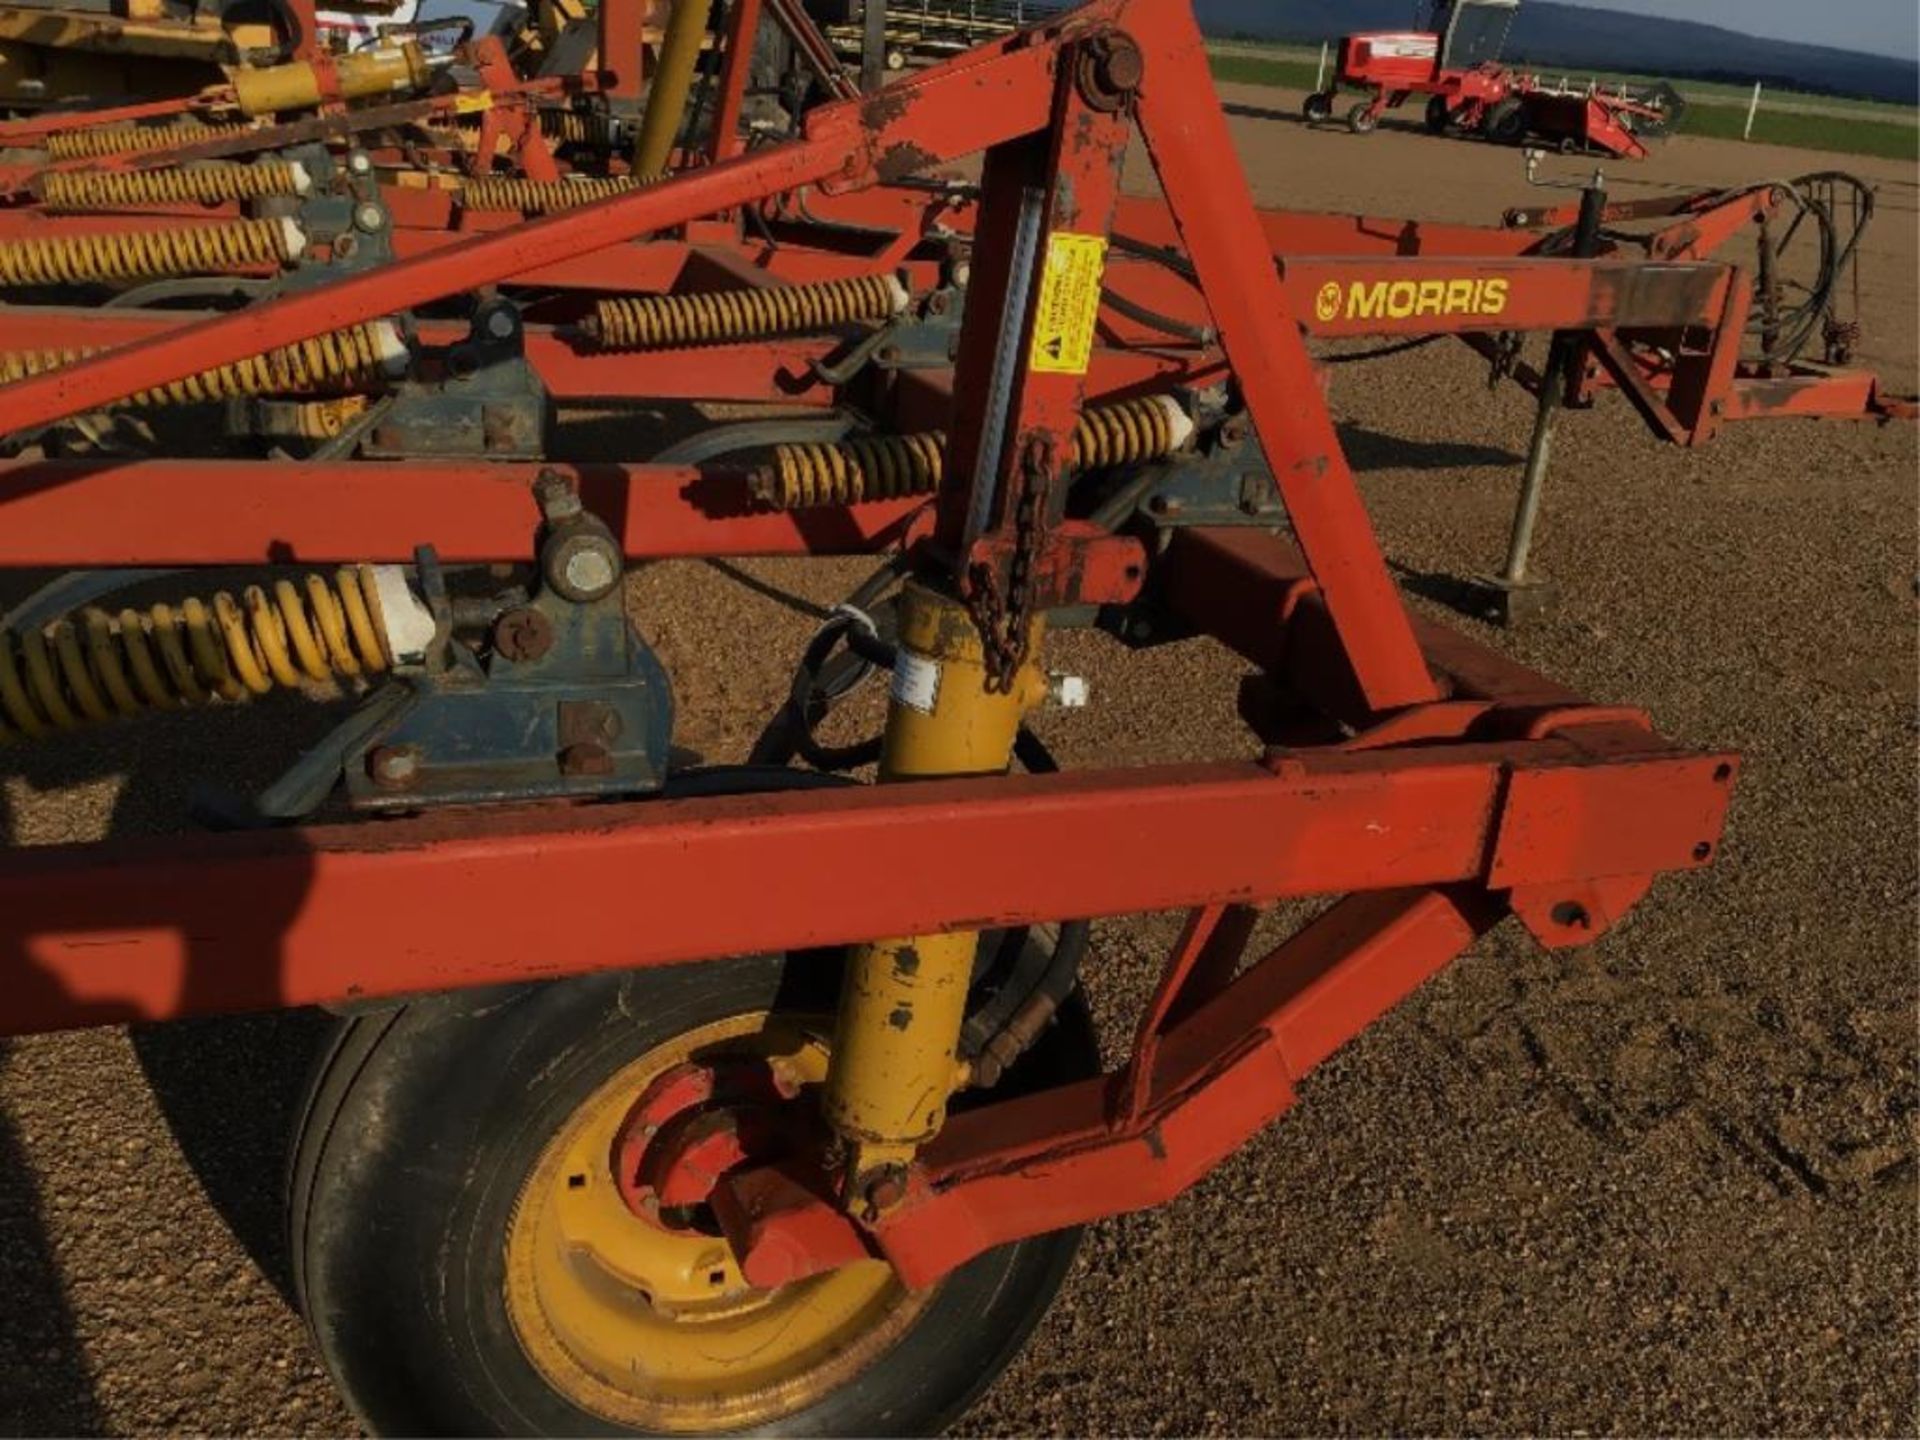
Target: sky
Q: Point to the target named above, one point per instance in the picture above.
(1880, 27)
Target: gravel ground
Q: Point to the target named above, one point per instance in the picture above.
(1666, 1184)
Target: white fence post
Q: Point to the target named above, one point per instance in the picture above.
(1753, 108)
(1320, 75)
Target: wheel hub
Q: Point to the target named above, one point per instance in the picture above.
(696, 1122)
(619, 1287)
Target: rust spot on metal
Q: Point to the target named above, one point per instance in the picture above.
(1156, 1147)
(901, 1017)
(899, 161)
(906, 962)
(886, 105)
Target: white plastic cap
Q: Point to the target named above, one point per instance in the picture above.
(405, 621)
(1068, 692)
(293, 240)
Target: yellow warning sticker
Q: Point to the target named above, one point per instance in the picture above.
(474, 103)
(1069, 303)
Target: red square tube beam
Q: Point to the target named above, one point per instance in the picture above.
(99, 513)
(213, 923)
(1187, 138)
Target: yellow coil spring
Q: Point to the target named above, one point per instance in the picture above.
(890, 467)
(324, 419)
(541, 197)
(126, 139)
(717, 316)
(345, 359)
(142, 254)
(95, 666)
(579, 127)
(202, 184)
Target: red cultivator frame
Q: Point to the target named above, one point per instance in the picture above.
(1462, 787)
(1431, 786)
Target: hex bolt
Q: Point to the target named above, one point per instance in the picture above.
(394, 767)
(523, 634)
(359, 162)
(886, 1189)
(500, 324)
(1120, 62)
(369, 218)
(586, 759)
(556, 497)
(589, 571)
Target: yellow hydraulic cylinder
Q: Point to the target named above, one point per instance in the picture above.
(672, 83)
(383, 70)
(895, 1051)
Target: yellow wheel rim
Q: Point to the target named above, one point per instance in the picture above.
(654, 1328)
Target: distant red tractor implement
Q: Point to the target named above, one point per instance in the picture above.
(1455, 62)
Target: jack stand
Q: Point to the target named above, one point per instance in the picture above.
(1514, 597)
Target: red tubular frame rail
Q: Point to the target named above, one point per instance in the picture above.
(1456, 787)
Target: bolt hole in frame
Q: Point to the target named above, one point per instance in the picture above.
(1461, 788)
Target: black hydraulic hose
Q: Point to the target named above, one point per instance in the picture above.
(1159, 254)
(812, 690)
(1154, 320)
(1379, 352)
(1003, 1028)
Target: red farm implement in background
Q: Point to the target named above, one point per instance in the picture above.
(1455, 62)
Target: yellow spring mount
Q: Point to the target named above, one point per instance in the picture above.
(90, 144)
(81, 190)
(97, 666)
(543, 197)
(150, 254)
(891, 467)
(720, 316)
(556, 696)
(363, 357)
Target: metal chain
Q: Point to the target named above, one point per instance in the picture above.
(1004, 628)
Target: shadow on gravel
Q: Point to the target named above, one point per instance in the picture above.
(1371, 450)
(45, 1388)
(231, 1091)
(229, 1088)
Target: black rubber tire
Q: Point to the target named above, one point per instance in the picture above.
(1317, 107)
(1360, 119)
(423, 1122)
(1506, 122)
(1439, 117)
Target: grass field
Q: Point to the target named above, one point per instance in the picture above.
(1845, 126)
